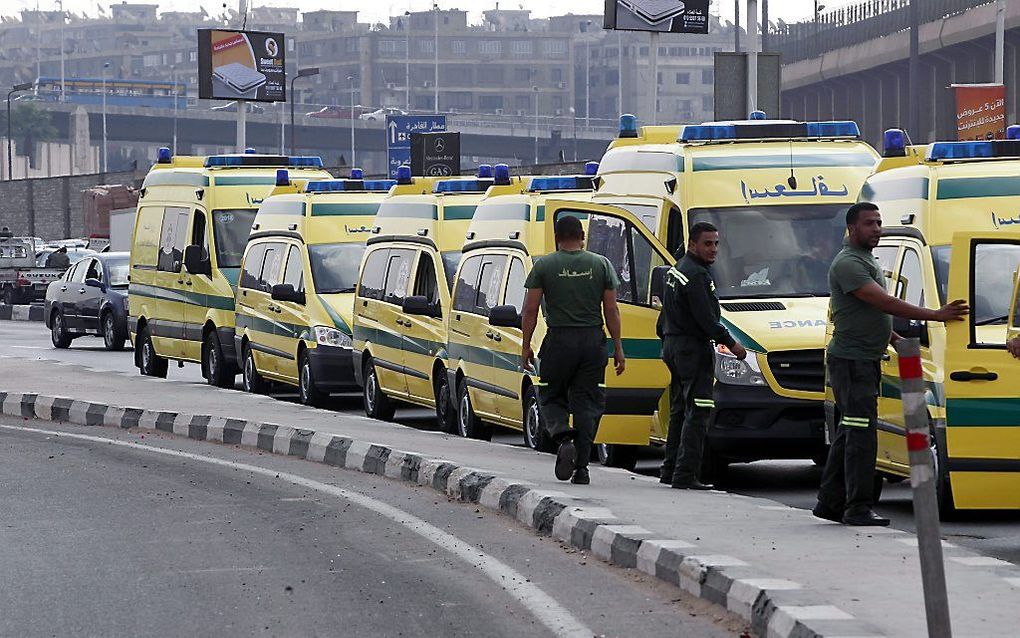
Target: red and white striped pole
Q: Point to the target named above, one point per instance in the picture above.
(922, 482)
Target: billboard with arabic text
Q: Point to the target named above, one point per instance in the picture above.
(980, 111)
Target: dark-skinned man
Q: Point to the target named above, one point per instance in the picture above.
(860, 309)
(689, 326)
(578, 287)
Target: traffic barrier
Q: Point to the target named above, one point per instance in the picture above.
(774, 607)
(21, 312)
(922, 484)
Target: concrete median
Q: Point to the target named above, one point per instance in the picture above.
(21, 312)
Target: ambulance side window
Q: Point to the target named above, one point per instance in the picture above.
(609, 237)
(271, 267)
(489, 281)
(252, 267)
(398, 274)
(646, 260)
(374, 275)
(295, 273)
(910, 283)
(515, 291)
(425, 282)
(466, 287)
(886, 256)
(172, 238)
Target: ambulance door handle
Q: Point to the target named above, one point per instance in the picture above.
(968, 375)
(180, 281)
(187, 283)
(489, 335)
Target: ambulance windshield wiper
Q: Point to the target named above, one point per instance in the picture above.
(992, 321)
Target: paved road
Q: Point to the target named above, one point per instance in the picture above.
(104, 539)
(793, 483)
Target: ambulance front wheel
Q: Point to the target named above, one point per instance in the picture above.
(536, 436)
(468, 424)
(377, 404)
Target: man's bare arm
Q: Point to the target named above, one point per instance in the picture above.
(874, 295)
(529, 320)
(613, 324)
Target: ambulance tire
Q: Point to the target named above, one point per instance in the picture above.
(446, 412)
(308, 392)
(251, 380)
(377, 404)
(215, 369)
(536, 436)
(469, 425)
(621, 456)
(150, 364)
(943, 488)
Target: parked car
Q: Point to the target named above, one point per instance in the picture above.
(231, 107)
(74, 254)
(380, 114)
(335, 112)
(90, 299)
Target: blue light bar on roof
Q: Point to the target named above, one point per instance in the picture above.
(764, 130)
(563, 183)
(310, 161)
(949, 151)
(348, 186)
(462, 186)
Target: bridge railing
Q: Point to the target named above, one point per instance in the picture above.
(859, 22)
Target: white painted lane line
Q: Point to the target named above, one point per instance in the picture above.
(541, 605)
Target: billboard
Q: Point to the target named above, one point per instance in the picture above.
(667, 16)
(241, 65)
(980, 111)
(435, 154)
(399, 130)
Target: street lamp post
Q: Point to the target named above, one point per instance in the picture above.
(587, 76)
(63, 82)
(435, 14)
(17, 88)
(106, 66)
(407, 61)
(302, 73)
(173, 72)
(535, 89)
(350, 79)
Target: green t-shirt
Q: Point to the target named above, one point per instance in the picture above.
(572, 285)
(860, 330)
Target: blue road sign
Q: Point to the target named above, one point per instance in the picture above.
(398, 136)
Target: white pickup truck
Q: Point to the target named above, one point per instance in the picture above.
(21, 281)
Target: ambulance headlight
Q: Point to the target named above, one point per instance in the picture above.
(729, 369)
(326, 336)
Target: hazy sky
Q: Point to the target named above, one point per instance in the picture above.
(377, 11)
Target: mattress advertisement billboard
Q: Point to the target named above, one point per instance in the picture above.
(666, 16)
(241, 65)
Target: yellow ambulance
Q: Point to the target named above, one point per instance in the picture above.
(778, 191)
(192, 225)
(508, 234)
(295, 297)
(403, 291)
(952, 231)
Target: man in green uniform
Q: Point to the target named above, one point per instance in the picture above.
(860, 309)
(577, 286)
(689, 326)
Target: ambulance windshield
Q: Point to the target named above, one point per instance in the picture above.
(231, 229)
(775, 251)
(335, 266)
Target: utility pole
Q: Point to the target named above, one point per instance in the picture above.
(736, 26)
(106, 67)
(38, 41)
(242, 105)
(63, 79)
(535, 89)
(173, 72)
(407, 62)
(914, 81)
(1000, 41)
(752, 55)
(354, 161)
(435, 15)
(765, 26)
(653, 56)
(619, 74)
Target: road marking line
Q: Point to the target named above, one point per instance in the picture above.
(541, 605)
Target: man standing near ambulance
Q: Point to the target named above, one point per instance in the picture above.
(578, 287)
(860, 309)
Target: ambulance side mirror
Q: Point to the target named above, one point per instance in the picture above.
(658, 286)
(195, 261)
(505, 317)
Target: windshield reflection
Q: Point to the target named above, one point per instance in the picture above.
(335, 266)
(775, 251)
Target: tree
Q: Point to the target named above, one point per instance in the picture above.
(29, 124)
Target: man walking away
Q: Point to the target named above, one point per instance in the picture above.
(578, 287)
(860, 309)
(688, 326)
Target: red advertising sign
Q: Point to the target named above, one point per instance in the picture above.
(980, 111)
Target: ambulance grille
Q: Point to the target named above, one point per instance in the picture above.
(802, 370)
(752, 306)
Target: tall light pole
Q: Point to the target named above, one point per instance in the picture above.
(63, 79)
(435, 15)
(106, 66)
(350, 78)
(535, 90)
(17, 88)
(407, 62)
(173, 74)
(302, 73)
(619, 72)
(587, 76)
(38, 41)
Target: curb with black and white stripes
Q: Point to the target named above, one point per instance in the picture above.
(21, 312)
(775, 607)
